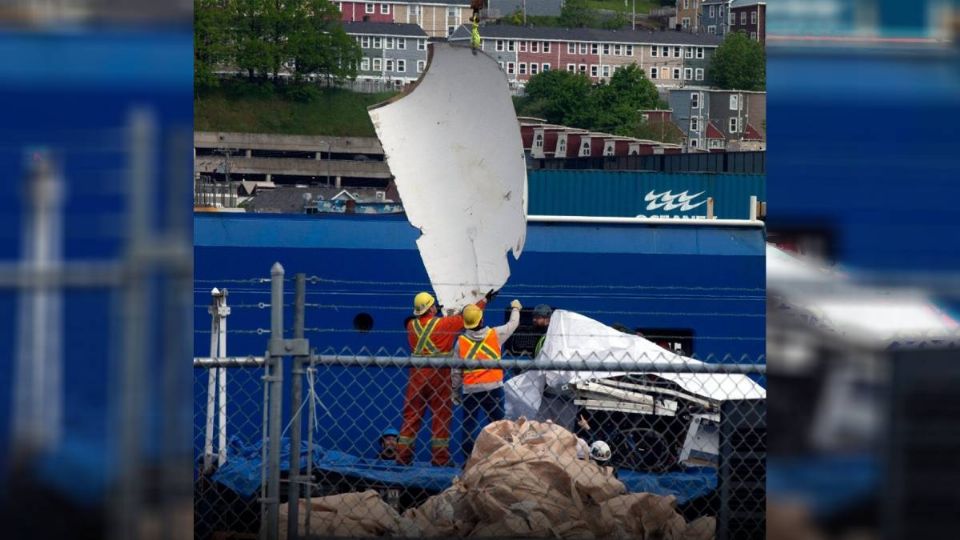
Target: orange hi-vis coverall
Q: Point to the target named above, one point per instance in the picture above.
(430, 336)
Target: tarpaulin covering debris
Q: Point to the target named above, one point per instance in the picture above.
(524, 480)
(574, 336)
(454, 148)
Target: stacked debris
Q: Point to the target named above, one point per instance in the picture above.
(523, 480)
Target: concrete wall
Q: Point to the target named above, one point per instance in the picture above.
(240, 165)
(303, 143)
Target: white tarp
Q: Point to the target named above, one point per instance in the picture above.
(453, 146)
(573, 336)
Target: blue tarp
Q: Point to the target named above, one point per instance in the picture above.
(826, 484)
(241, 473)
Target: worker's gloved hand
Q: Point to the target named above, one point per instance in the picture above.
(516, 304)
(491, 294)
(456, 377)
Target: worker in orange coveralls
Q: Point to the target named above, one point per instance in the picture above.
(430, 335)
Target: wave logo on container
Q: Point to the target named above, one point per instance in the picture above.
(669, 201)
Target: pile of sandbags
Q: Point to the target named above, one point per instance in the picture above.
(354, 515)
(523, 479)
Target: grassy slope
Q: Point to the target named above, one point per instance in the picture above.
(333, 112)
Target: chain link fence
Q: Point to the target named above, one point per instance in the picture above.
(367, 443)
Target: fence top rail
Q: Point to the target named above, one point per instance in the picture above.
(663, 364)
(659, 365)
(229, 361)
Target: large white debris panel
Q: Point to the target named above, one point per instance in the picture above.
(453, 145)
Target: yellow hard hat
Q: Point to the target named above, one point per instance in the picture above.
(472, 315)
(421, 303)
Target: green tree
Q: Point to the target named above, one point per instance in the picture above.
(319, 44)
(739, 63)
(252, 43)
(560, 97)
(210, 47)
(576, 14)
(617, 103)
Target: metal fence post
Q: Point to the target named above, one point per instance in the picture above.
(293, 529)
(276, 395)
(222, 312)
(211, 383)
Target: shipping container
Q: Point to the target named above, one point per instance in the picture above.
(630, 194)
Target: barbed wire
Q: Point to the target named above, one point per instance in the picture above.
(314, 279)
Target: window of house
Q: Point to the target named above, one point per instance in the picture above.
(422, 64)
(534, 68)
(695, 100)
(653, 51)
(734, 102)
(700, 53)
(686, 4)
(665, 51)
(401, 43)
(402, 66)
(694, 124)
(523, 68)
(743, 18)
(654, 72)
(384, 9)
(538, 140)
(451, 12)
(571, 48)
(720, 12)
(606, 48)
(534, 46)
(617, 50)
(511, 46)
(713, 11)
(676, 52)
(365, 42)
(510, 67)
(605, 71)
(694, 143)
(365, 64)
(711, 29)
(500, 45)
(571, 68)
(688, 53)
(583, 69)
(523, 46)
(676, 73)
(369, 8)
(585, 148)
(734, 125)
(377, 43)
(377, 64)
(699, 74)
(388, 43)
(450, 30)
(388, 64)
(687, 74)
(546, 67)
(733, 19)
(421, 44)
(753, 17)
(583, 48)
(686, 22)
(753, 35)
(562, 146)
(594, 48)
(594, 70)
(546, 47)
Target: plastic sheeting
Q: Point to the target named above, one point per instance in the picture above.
(574, 336)
(453, 146)
(241, 473)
